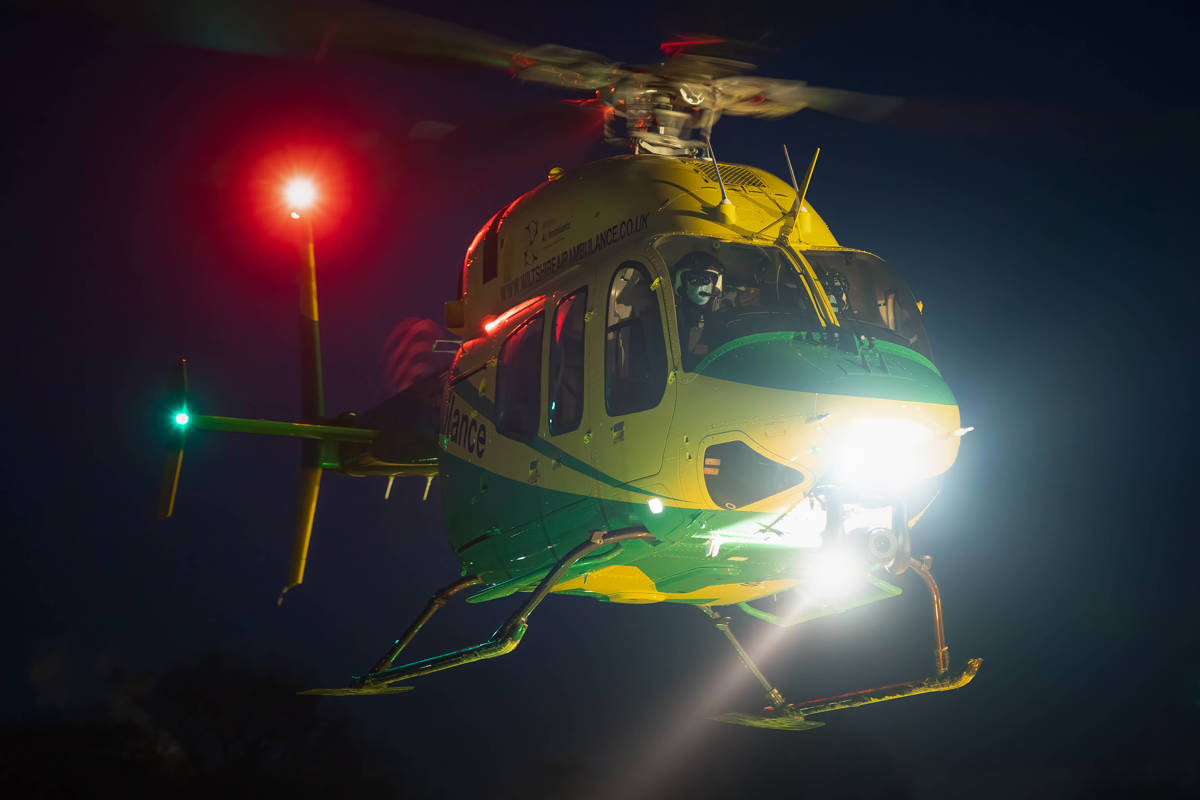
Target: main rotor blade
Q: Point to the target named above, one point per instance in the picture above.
(857, 106)
(306, 29)
(752, 96)
(567, 67)
(313, 29)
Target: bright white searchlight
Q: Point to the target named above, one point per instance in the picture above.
(879, 453)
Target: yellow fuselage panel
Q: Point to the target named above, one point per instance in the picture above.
(805, 430)
(801, 429)
(572, 234)
(565, 224)
(628, 584)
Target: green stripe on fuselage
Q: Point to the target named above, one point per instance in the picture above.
(471, 396)
(798, 362)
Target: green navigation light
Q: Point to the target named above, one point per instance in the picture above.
(182, 418)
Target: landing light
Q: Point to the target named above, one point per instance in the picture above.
(182, 418)
(656, 505)
(882, 453)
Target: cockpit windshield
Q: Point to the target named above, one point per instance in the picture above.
(725, 291)
(867, 295)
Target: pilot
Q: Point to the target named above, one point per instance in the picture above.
(698, 279)
(837, 289)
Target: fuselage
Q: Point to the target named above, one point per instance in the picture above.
(590, 395)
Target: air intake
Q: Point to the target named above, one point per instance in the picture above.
(733, 176)
(737, 476)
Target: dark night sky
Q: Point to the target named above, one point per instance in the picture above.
(1054, 251)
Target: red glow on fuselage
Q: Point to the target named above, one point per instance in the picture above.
(489, 327)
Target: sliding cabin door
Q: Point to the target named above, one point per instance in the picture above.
(563, 468)
(632, 396)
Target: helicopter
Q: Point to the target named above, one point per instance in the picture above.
(670, 382)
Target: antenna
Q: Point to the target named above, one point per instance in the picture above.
(785, 231)
(787, 157)
(807, 178)
(726, 208)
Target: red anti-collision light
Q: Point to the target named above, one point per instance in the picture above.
(300, 193)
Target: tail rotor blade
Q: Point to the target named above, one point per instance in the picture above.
(306, 509)
(176, 438)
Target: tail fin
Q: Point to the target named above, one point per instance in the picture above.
(412, 353)
(339, 444)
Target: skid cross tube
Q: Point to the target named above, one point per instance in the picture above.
(795, 716)
(942, 653)
(503, 641)
(774, 696)
(439, 599)
(942, 681)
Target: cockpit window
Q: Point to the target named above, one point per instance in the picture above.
(725, 291)
(868, 295)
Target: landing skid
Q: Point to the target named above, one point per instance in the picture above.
(347, 691)
(781, 715)
(793, 716)
(777, 721)
(384, 677)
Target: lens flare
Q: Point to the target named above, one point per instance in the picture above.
(834, 573)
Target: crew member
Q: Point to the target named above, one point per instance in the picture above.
(698, 278)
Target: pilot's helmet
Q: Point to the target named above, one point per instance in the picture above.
(698, 276)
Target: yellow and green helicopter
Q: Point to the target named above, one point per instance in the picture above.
(672, 384)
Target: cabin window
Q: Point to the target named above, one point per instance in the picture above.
(486, 244)
(518, 381)
(635, 352)
(565, 395)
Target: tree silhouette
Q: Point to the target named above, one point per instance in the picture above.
(212, 726)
